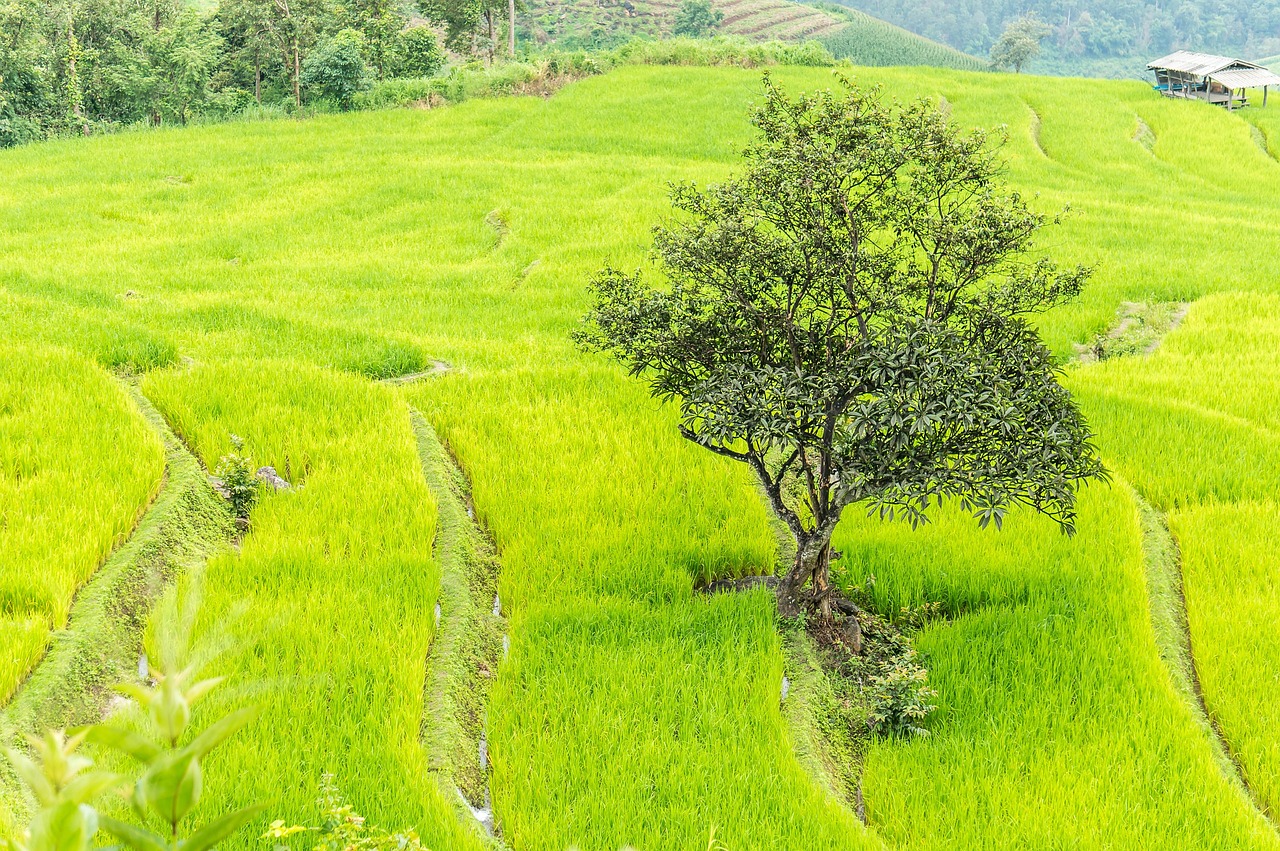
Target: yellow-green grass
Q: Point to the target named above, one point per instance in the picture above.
(328, 605)
(77, 467)
(1194, 425)
(1058, 726)
(292, 259)
(617, 669)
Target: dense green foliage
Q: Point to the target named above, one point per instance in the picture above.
(850, 317)
(697, 18)
(1138, 30)
(93, 65)
(631, 709)
(335, 69)
(419, 53)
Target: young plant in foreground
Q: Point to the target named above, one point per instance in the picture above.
(65, 788)
(171, 783)
(169, 788)
(850, 318)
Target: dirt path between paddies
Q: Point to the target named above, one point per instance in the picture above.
(438, 367)
(470, 638)
(1162, 561)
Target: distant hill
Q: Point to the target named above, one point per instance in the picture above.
(867, 40)
(849, 34)
(1086, 34)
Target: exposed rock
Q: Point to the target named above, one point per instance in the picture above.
(272, 479)
(220, 487)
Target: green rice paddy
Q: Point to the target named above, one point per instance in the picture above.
(77, 467)
(265, 276)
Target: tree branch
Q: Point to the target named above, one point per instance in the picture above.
(689, 434)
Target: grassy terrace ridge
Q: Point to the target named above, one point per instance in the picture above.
(328, 607)
(295, 262)
(467, 648)
(1211, 463)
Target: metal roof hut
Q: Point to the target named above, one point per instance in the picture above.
(1215, 79)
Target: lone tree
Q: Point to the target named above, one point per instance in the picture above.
(697, 18)
(1019, 43)
(850, 318)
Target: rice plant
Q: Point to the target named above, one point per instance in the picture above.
(77, 467)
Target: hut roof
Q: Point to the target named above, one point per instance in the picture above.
(1246, 78)
(1233, 73)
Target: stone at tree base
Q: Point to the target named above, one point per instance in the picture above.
(853, 634)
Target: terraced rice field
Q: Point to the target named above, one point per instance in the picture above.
(266, 277)
(758, 20)
(776, 19)
(847, 33)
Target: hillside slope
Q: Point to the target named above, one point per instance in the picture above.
(1092, 35)
(849, 34)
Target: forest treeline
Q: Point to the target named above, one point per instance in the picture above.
(82, 66)
(1095, 29)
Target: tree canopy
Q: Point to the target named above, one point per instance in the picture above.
(849, 316)
(697, 18)
(1019, 43)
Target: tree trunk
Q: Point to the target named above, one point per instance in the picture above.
(488, 17)
(812, 566)
(257, 77)
(511, 31)
(297, 75)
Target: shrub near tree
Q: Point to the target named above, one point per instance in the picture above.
(697, 18)
(418, 53)
(850, 317)
(335, 70)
